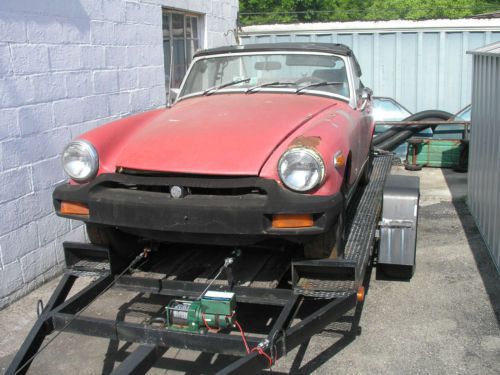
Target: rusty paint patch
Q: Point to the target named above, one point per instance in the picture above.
(309, 142)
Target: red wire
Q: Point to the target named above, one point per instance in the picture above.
(206, 325)
(242, 335)
(256, 349)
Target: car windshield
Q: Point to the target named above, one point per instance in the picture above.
(386, 109)
(252, 73)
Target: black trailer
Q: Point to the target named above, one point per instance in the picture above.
(300, 297)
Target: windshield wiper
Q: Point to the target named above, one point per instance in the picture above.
(317, 84)
(211, 90)
(275, 83)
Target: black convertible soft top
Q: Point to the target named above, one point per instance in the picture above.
(339, 49)
(334, 48)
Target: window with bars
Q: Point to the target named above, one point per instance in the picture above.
(180, 40)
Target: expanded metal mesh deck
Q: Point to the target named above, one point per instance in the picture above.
(363, 214)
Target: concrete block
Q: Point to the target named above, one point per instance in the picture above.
(23, 151)
(35, 118)
(48, 173)
(116, 57)
(16, 91)
(11, 278)
(5, 60)
(92, 57)
(37, 262)
(150, 76)
(19, 242)
(9, 126)
(157, 96)
(24, 210)
(67, 112)
(12, 28)
(95, 107)
(155, 53)
(65, 57)
(137, 56)
(113, 10)
(105, 81)
(51, 227)
(28, 59)
(44, 30)
(119, 104)
(125, 34)
(141, 13)
(48, 87)
(15, 184)
(148, 34)
(78, 84)
(102, 33)
(127, 79)
(139, 100)
(76, 31)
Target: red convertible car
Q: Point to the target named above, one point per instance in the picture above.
(264, 143)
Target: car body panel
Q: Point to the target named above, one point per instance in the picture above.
(231, 134)
(223, 150)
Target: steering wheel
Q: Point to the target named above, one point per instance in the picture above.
(311, 79)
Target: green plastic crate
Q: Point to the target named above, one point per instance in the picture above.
(440, 153)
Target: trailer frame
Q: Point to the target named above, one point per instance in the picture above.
(337, 282)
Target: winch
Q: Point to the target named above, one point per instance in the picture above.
(214, 311)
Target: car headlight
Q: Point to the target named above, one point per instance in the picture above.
(80, 160)
(301, 169)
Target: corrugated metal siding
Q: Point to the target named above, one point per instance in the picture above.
(420, 69)
(484, 156)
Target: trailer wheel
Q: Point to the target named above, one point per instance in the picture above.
(330, 244)
(122, 244)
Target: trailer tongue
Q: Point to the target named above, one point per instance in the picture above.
(211, 300)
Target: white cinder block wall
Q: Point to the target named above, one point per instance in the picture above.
(67, 66)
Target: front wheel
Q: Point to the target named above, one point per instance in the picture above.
(125, 245)
(330, 244)
(367, 171)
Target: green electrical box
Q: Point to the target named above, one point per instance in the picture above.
(440, 153)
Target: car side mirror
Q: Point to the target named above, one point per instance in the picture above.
(174, 93)
(366, 96)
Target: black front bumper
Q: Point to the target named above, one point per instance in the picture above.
(234, 207)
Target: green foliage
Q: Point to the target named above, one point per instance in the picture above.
(288, 11)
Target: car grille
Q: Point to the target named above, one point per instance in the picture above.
(195, 184)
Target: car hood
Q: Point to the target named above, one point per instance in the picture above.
(228, 134)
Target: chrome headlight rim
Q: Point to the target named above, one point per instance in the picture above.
(92, 153)
(317, 158)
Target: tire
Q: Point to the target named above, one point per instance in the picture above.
(330, 244)
(413, 168)
(124, 245)
(367, 172)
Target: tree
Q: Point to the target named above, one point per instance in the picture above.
(288, 11)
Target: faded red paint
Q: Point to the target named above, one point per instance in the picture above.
(234, 134)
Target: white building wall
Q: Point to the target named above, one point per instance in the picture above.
(67, 66)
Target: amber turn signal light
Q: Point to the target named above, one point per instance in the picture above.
(361, 294)
(292, 221)
(74, 208)
(338, 160)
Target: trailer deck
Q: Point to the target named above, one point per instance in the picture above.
(274, 293)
